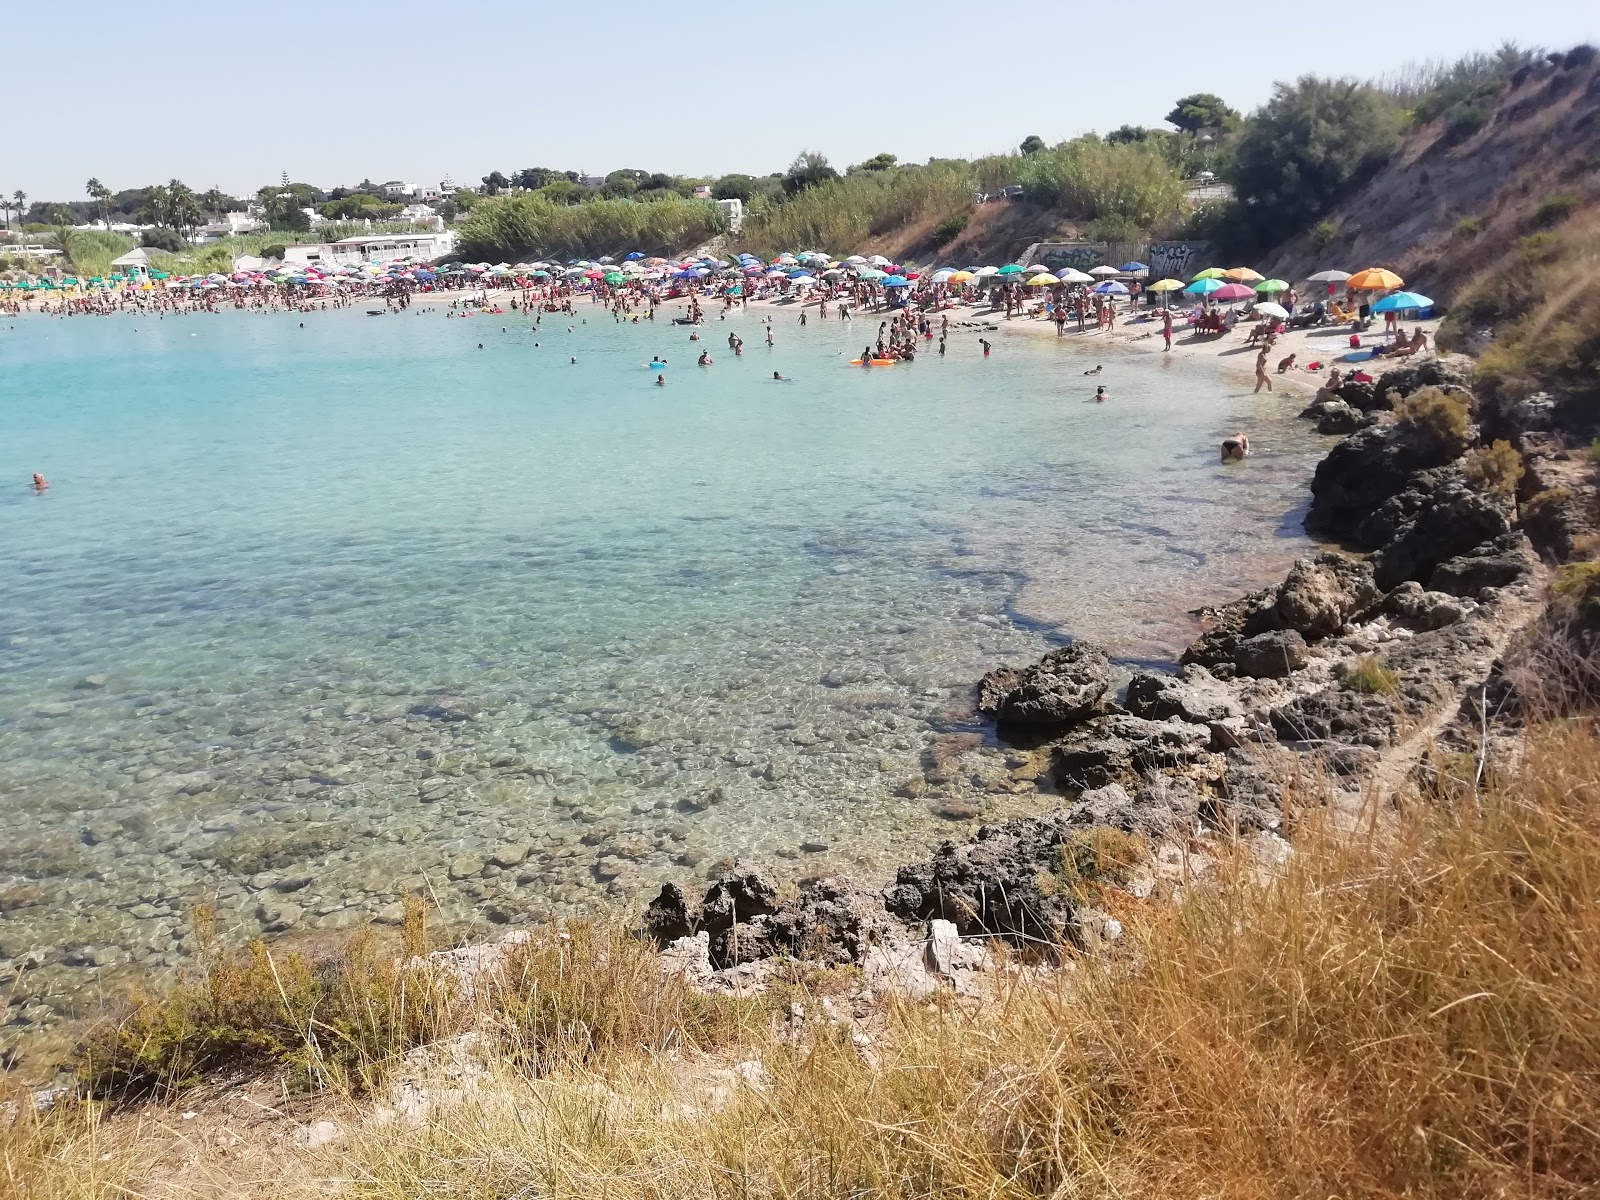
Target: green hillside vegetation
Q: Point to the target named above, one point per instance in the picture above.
(530, 225)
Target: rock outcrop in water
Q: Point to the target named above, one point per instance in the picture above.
(1350, 666)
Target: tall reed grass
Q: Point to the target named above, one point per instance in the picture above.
(507, 228)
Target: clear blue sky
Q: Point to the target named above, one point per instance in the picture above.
(231, 95)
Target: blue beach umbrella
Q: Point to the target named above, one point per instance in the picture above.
(1131, 267)
(896, 281)
(1400, 301)
(1112, 288)
(689, 274)
(634, 257)
(1204, 287)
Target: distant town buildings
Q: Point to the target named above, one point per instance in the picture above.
(372, 247)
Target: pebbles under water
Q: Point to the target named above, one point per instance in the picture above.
(312, 618)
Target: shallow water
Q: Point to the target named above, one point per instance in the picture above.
(368, 602)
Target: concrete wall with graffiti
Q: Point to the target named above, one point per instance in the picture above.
(1177, 260)
(1167, 260)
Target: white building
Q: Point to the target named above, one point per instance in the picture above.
(372, 247)
(420, 214)
(228, 225)
(734, 210)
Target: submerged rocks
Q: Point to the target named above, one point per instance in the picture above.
(1063, 687)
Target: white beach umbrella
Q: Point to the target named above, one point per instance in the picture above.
(878, 260)
(1072, 276)
(855, 258)
(985, 272)
(1104, 270)
(1270, 309)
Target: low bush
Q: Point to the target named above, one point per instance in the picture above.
(1095, 860)
(1496, 468)
(1439, 415)
(947, 230)
(1370, 677)
(1552, 211)
(1469, 227)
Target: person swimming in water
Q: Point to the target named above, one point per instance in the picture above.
(1235, 448)
(39, 482)
(1100, 396)
(661, 381)
(1096, 371)
(705, 359)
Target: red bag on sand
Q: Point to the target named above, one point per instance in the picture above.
(1355, 341)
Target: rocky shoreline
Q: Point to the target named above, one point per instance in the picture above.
(1357, 673)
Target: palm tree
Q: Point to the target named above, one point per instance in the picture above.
(20, 199)
(101, 195)
(5, 207)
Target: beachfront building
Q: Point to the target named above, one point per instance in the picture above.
(134, 263)
(372, 247)
(230, 224)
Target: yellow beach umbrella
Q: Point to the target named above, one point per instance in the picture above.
(1166, 285)
(961, 277)
(1210, 273)
(1374, 279)
(1242, 275)
(1044, 280)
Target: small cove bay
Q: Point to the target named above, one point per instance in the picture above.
(316, 615)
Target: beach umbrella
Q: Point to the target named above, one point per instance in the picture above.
(832, 273)
(1044, 280)
(1166, 285)
(896, 281)
(941, 276)
(1374, 279)
(615, 277)
(1269, 309)
(1210, 273)
(1037, 269)
(986, 272)
(1205, 287)
(1328, 277)
(687, 274)
(1073, 276)
(1133, 268)
(872, 273)
(855, 258)
(1241, 275)
(1401, 301)
(1010, 269)
(803, 281)
(1112, 288)
(961, 277)
(1232, 291)
(1102, 270)
(879, 260)
(776, 274)
(1268, 286)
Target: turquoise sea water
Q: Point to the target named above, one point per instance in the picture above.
(314, 615)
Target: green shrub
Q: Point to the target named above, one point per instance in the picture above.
(506, 228)
(1441, 416)
(1370, 677)
(1552, 211)
(1322, 233)
(276, 250)
(1496, 468)
(1469, 227)
(950, 228)
(1090, 179)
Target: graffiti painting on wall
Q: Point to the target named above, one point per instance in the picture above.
(1175, 260)
(1075, 257)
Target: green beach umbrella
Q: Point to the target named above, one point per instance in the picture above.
(1010, 269)
(614, 277)
(1268, 286)
(158, 275)
(1211, 273)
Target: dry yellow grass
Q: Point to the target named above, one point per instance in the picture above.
(1408, 1011)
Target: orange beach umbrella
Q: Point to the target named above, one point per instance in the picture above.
(1243, 275)
(1374, 279)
